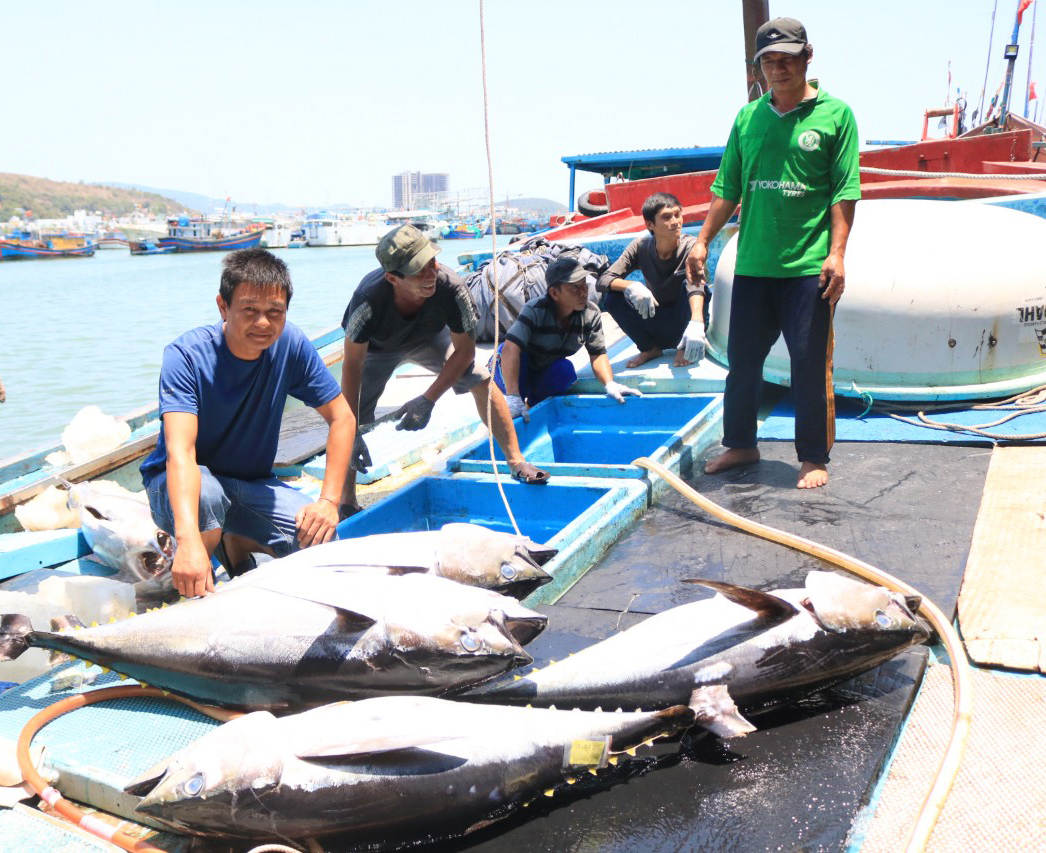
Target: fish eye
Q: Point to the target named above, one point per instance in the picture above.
(193, 785)
(469, 643)
(508, 572)
(882, 619)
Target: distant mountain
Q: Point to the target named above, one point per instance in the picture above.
(206, 204)
(49, 199)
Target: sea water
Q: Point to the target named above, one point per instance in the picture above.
(82, 331)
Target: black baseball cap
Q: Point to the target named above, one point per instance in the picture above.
(564, 271)
(781, 35)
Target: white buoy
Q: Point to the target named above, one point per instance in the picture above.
(944, 301)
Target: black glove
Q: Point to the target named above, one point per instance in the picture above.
(415, 414)
(360, 455)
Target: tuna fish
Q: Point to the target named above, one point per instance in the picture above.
(384, 773)
(466, 553)
(121, 532)
(314, 637)
(766, 648)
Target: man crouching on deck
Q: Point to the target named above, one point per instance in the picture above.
(791, 160)
(413, 310)
(222, 392)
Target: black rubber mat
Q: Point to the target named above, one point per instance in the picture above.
(801, 780)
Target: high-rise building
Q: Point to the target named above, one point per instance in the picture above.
(411, 189)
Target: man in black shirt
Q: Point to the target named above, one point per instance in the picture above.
(412, 309)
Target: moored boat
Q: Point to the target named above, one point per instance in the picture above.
(197, 234)
(24, 245)
(343, 229)
(149, 247)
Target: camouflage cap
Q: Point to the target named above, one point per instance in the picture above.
(405, 250)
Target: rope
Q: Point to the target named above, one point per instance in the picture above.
(493, 263)
(963, 687)
(1028, 402)
(904, 173)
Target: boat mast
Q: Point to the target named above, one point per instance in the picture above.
(1031, 49)
(1010, 54)
(756, 13)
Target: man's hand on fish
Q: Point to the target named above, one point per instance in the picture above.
(191, 569)
(316, 522)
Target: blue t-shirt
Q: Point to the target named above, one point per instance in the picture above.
(239, 404)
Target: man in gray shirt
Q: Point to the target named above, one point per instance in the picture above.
(668, 311)
(533, 362)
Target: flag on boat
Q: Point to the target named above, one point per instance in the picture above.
(1031, 91)
(1020, 10)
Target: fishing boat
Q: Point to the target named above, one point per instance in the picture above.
(149, 247)
(328, 229)
(200, 234)
(462, 231)
(24, 245)
(278, 232)
(428, 222)
(846, 768)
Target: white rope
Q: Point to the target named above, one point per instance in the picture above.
(903, 173)
(494, 263)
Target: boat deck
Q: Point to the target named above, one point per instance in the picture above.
(811, 777)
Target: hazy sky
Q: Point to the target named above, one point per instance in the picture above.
(321, 102)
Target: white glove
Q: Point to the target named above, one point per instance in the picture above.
(693, 342)
(617, 391)
(640, 298)
(517, 407)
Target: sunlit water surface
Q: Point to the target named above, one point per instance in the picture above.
(76, 332)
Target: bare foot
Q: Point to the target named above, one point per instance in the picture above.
(644, 357)
(812, 476)
(731, 458)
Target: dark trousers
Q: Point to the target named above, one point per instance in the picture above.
(762, 309)
(663, 330)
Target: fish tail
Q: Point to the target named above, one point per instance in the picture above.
(714, 709)
(14, 629)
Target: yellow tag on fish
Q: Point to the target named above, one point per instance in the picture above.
(587, 753)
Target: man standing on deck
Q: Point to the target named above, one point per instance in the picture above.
(792, 162)
(668, 311)
(222, 393)
(412, 309)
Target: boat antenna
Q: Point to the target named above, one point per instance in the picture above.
(1031, 48)
(991, 35)
(755, 13)
(1010, 54)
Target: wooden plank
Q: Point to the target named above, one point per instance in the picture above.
(1002, 603)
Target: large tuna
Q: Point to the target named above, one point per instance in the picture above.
(802, 640)
(121, 532)
(466, 553)
(299, 639)
(383, 773)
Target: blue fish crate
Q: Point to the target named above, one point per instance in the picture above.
(579, 517)
(595, 436)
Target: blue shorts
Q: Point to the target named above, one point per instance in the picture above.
(536, 385)
(262, 510)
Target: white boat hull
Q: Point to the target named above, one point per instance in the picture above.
(944, 301)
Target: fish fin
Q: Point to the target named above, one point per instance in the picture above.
(66, 623)
(14, 627)
(714, 709)
(399, 571)
(716, 673)
(681, 713)
(770, 609)
(56, 657)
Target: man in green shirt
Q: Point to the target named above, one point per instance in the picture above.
(792, 162)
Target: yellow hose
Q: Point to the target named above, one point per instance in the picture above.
(932, 805)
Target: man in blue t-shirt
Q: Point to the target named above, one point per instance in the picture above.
(222, 394)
